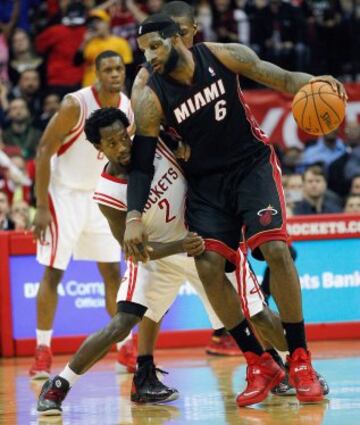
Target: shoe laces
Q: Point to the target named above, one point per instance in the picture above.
(150, 374)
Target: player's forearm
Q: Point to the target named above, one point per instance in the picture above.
(297, 80)
(42, 181)
(161, 250)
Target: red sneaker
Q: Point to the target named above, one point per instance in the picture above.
(223, 345)
(126, 358)
(303, 377)
(262, 374)
(40, 369)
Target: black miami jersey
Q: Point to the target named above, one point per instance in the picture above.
(210, 115)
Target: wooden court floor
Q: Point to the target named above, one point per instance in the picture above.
(207, 386)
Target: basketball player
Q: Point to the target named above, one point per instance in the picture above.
(233, 177)
(67, 222)
(183, 14)
(148, 289)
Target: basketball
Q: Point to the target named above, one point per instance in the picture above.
(318, 109)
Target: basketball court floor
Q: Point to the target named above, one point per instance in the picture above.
(207, 386)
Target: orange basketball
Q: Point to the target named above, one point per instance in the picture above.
(318, 109)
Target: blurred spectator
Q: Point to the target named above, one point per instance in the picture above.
(315, 199)
(355, 185)
(204, 19)
(281, 34)
(326, 150)
(20, 132)
(96, 40)
(20, 215)
(293, 190)
(18, 187)
(23, 57)
(60, 43)
(5, 221)
(4, 102)
(224, 23)
(352, 204)
(28, 88)
(51, 105)
(291, 159)
(9, 12)
(339, 181)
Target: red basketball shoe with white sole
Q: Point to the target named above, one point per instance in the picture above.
(126, 358)
(41, 366)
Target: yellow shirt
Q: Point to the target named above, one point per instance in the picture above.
(98, 45)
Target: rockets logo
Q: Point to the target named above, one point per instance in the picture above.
(266, 215)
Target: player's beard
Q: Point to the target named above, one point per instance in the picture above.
(172, 61)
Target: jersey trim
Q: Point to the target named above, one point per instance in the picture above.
(108, 176)
(97, 99)
(109, 200)
(54, 234)
(132, 280)
(222, 249)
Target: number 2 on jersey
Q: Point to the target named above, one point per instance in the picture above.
(164, 204)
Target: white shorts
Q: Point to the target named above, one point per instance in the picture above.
(78, 229)
(156, 284)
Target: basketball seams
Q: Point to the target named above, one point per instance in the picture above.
(316, 110)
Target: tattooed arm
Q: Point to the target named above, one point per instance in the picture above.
(242, 60)
(141, 79)
(148, 116)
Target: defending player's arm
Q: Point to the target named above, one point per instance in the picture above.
(148, 116)
(192, 244)
(52, 139)
(242, 60)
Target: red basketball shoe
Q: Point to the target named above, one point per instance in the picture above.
(40, 369)
(303, 377)
(126, 358)
(223, 345)
(262, 374)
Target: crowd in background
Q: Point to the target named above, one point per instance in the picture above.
(48, 49)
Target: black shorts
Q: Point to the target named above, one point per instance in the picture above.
(246, 201)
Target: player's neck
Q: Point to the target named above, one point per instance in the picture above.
(107, 99)
(117, 170)
(185, 68)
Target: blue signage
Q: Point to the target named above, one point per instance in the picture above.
(329, 273)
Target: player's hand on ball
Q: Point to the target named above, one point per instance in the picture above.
(135, 242)
(335, 84)
(193, 244)
(41, 222)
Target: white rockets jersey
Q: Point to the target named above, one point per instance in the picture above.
(77, 164)
(164, 211)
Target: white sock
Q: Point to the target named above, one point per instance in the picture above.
(69, 375)
(121, 343)
(43, 337)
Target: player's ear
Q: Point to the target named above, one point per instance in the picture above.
(196, 28)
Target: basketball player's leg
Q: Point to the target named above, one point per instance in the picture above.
(264, 218)
(110, 273)
(147, 336)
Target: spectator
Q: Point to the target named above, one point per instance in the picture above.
(291, 159)
(51, 105)
(352, 204)
(17, 186)
(28, 88)
(355, 185)
(4, 102)
(23, 57)
(20, 132)
(5, 221)
(293, 190)
(20, 215)
(315, 200)
(205, 20)
(338, 182)
(60, 43)
(98, 39)
(326, 150)
(224, 23)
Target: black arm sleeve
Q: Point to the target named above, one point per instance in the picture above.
(141, 173)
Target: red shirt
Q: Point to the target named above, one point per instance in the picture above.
(60, 43)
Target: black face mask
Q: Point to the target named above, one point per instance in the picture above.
(172, 61)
